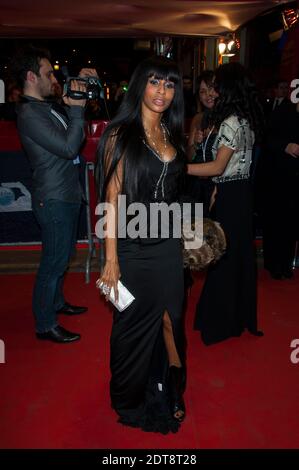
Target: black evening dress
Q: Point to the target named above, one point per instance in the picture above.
(152, 270)
(227, 305)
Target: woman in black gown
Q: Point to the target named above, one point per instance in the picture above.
(227, 304)
(141, 156)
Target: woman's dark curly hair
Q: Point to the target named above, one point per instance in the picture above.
(237, 96)
(208, 77)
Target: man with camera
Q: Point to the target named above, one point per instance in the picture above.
(52, 135)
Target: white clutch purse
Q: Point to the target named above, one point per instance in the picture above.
(125, 298)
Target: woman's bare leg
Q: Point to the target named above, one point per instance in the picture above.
(173, 357)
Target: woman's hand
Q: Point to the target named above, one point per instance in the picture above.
(198, 136)
(109, 279)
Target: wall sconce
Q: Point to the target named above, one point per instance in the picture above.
(227, 47)
(290, 17)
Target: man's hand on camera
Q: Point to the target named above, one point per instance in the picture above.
(85, 72)
(293, 150)
(76, 86)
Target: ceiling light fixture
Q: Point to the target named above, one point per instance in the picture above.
(227, 47)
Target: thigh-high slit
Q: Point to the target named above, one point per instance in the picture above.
(153, 272)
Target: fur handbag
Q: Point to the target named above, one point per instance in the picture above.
(211, 249)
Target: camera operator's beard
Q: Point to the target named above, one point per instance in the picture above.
(45, 90)
(47, 94)
(50, 97)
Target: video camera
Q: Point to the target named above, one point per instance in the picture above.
(93, 87)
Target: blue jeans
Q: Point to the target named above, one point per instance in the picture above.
(58, 221)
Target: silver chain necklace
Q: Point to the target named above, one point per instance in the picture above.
(153, 144)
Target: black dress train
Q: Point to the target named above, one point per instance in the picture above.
(227, 304)
(152, 269)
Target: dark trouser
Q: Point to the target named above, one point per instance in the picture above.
(58, 221)
(280, 214)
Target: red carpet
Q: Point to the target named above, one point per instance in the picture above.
(242, 393)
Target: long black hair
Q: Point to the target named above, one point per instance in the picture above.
(126, 130)
(208, 77)
(237, 96)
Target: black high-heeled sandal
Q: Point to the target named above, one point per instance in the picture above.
(176, 385)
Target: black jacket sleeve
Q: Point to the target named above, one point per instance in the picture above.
(38, 127)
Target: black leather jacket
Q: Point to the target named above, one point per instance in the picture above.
(52, 138)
